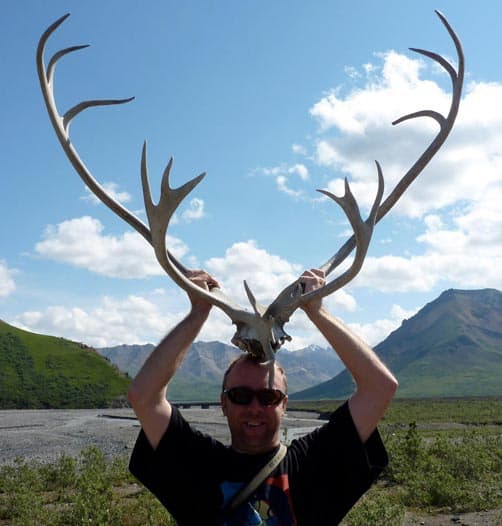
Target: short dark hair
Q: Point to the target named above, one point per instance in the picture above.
(247, 357)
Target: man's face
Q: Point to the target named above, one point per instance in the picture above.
(254, 427)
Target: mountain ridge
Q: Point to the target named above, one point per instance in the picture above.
(451, 347)
(206, 362)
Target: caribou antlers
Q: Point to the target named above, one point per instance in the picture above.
(259, 332)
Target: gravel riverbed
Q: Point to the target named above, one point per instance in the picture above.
(46, 434)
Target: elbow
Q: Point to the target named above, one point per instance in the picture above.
(384, 387)
(391, 386)
(142, 399)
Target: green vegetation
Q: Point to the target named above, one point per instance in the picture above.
(72, 492)
(454, 474)
(475, 411)
(445, 456)
(39, 372)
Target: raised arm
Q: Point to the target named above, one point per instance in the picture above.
(148, 391)
(375, 384)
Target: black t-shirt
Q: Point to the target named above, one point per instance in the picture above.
(321, 477)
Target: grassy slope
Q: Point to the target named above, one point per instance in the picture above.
(38, 371)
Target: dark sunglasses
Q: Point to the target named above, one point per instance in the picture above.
(245, 395)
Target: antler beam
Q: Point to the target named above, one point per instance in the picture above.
(445, 127)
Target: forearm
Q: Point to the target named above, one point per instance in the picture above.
(375, 384)
(147, 393)
(150, 384)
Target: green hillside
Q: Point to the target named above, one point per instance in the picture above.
(450, 348)
(40, 372)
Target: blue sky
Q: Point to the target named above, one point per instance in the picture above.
(272, 100)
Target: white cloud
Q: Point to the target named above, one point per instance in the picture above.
(136, 319)
(299, 149)
(356, 129)
(7, 283)
(283, 175)
(457, 196)
(467, 253)
(281, 182)
(397, 274)
(81, 242)
(475, 228)
(195, 210)
(116, 321)
(266, 274)
(375, 332)
(300, 170)
(112, 190)
(113, 322)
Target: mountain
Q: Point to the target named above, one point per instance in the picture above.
(451, 347)
(201, 373)
(40, 372)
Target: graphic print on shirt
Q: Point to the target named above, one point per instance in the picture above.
(270, 505)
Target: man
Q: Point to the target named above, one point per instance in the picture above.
(322, 475)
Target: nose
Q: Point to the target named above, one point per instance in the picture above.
(255, 405)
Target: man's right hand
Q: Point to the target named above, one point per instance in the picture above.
(148, 391)
(204, 280)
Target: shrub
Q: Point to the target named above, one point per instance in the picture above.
(70, 492)
(462, 473)
(21, 497)
(376, 509)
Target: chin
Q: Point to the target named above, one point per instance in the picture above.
(254, 447)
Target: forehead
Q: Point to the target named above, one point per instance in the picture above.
(253, 374)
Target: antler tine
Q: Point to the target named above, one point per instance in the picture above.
(363, 231)
(159, 216)
(291, 297)
(445, 127)
(61, 125)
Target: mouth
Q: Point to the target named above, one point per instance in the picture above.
(254, 425)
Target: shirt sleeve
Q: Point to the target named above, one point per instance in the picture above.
(369, 457)
(183, 459)
(335, 468)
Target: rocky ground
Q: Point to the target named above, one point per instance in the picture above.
(481, 518)
(46, 434)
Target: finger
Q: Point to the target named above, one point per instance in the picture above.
(200, 280)
(310, 281)
(318, 272)
(204, 280)
(307, 274)
(213, 284)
